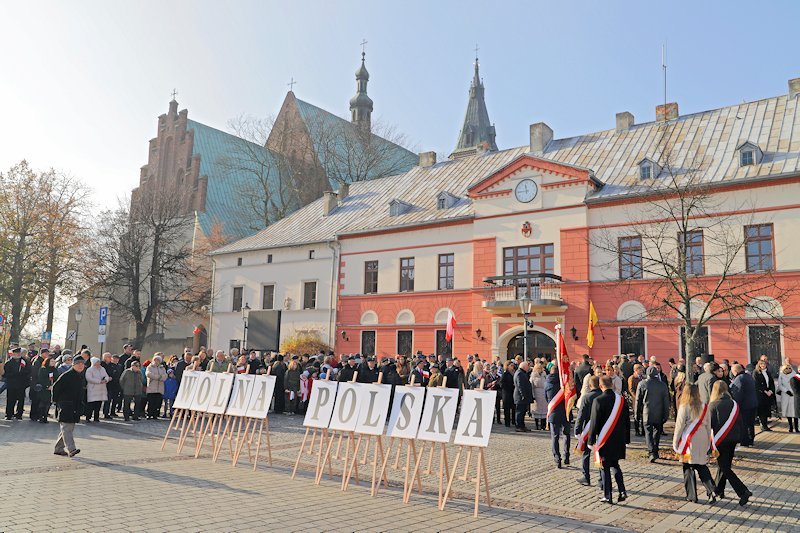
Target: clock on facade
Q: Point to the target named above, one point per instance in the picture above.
(526, 190)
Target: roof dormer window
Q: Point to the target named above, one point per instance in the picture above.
(648, 169)
(441, 203)
(749, 154)
(399, 207)
(445, 200)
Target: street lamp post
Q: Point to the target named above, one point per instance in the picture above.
(525, 304)
(78, 318)
(245, 316)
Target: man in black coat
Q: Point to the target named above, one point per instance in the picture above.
(451, 374)
(349, 370)
(652, 407)
(765, 391)
(743, 390)
(614, 448)
(582, 422)
(421, 376)
(127, 351)
(581, 372)
(523, 396)
(279, 371)
(368, 371)
(184, 363)
(559, 423)
(720, 414)
(68, 394)
(34, 392)
(626, 369)
(18, 378)
(114, 371)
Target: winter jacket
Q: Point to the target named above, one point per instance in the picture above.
(523, 393)
(785, 394)
(602, 406)
(95, 385)
(652, 399)
(701, 442)
(170, 388)
(720, 412)
(551, 387)
(540, 400)
(291, 381)
(217, 367)
(68, 394)
(156, 376)
(131, 383)
(743, 390)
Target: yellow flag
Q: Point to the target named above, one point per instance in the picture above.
(592, 324)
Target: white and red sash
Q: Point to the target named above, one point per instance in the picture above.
(583, 438)
(608, 427)
(688, 434)
(720, 435)
(557, 399)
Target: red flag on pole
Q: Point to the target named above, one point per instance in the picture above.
(564, 371)
(451, 326)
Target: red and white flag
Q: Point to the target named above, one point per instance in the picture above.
(564, 371)
(451, 326)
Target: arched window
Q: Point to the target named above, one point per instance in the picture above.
(369, 318)
(405, 317)
(441, 315)
(630, 311)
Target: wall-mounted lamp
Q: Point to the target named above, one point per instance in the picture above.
(478, 334)
(344, 336)
(574, 333)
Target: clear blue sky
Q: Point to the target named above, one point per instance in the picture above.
(83, 82)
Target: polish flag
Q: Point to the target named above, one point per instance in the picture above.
(451, 326)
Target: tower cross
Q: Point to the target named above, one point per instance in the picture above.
(174, 94)
(476, 51)
(363, 45)
(291, 84)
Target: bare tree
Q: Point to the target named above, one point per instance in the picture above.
(681, 253)
(144, 262)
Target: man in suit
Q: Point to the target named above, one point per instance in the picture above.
(523, 396)
(706, 380)
(743, 390)
(614, 447)
(652, 407)
(582, 422)
(559, 423)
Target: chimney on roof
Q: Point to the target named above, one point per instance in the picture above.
(624, 121)
(344, 191)
(427, 159)
(670, 109)
(541, 135)
(794, 87)
(329, 202)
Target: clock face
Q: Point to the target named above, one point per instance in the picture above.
(526, 190)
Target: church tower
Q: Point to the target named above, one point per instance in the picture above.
(361, 104)
(477, 131)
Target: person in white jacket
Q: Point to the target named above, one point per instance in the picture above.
(96, 392)
(786, 403)
(156, 377)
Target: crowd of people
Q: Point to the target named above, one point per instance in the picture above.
(715, 405)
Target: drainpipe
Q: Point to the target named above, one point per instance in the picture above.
(335, 248)
(211, 306)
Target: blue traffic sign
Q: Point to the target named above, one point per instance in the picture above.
(103, 316)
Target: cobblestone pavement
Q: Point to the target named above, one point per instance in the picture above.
(121, 463)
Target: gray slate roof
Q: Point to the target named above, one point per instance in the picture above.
(704, 141)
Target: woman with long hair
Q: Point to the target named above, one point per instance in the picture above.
(765, 391)
(691, 442)
(474, 379)
(726, 432)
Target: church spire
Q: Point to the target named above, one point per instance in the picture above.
(477, 129)
(361, 104)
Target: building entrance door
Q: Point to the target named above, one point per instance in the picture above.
(539, 345)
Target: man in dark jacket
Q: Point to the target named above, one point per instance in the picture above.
(349, 370)
(743, 390)
(652, 407)
(368, 372)
(614, 447)
(421, 375)
(523, 396)
(559, 423)
(451, 373)
(127, 351)
(183, 364)
(279, 371)
(581, 372)
(68, 394)
(18, 378)
(114, 371)
(582, 422)
(626, 369)
(720, 414)
(35, 391)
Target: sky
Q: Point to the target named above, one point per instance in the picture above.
(82, 83)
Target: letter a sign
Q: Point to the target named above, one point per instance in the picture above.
(475, 423)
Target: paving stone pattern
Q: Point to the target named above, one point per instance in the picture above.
(133, 486)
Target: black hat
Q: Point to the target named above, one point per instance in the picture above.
(45, 350)
(77, 359)
(294, 358)
(372, 359)
(351, 358)
(16, 350)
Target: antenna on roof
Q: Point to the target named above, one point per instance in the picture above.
(664, 67)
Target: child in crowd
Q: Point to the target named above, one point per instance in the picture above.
(170, 392)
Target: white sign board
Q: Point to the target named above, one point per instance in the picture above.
(202, 391)
(345, 410)
(263, 389)
(221, 393)
(439, 414)
(186, 389)
(374, 408)
(406, 411)
(320, 404)
(240, 398)
(475, 423)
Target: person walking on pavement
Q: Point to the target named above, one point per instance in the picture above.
(557, 418)
(726, 432)
(652, 407)
(692, 440)
(609, 433)
(582, 427)
(523, 396)
(68, 394)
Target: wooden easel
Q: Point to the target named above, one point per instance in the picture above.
(249, 436)
(211, 426)
(350, 446)
(377, 448)
(480, 471)
(322, 433)
(411, 451)
(178, 418)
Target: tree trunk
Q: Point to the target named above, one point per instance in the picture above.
(141, 333)
(688, 343)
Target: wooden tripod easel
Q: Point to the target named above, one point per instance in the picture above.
(377, 448)
(480, 472)
(179, 417)
(322, 433)
(350, 447)
(210, 426)
(443, 472)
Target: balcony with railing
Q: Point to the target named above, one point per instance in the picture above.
(503, 293)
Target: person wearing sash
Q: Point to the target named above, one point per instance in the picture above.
(557, 416)
(609, 433)
(726, 432)
(582, 427)
(691, 442)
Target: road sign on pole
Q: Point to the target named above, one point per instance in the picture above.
(103, 320)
